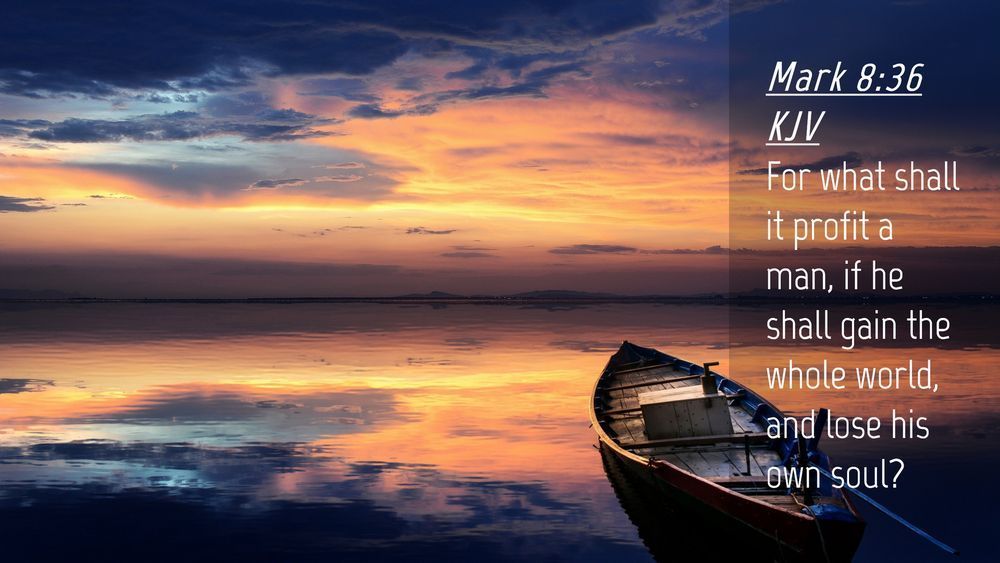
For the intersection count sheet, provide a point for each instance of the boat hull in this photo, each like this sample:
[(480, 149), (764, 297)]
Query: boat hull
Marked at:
[(789, 536)]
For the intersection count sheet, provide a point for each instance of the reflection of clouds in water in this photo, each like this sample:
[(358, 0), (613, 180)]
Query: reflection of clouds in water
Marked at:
[(311, 429), (300, 497), (222, 404), (137, 464), (212, 525), (422, 491), (469, 431), (219, 421)]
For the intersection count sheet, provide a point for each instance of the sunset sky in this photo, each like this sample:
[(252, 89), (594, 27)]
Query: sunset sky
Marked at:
[(212, 149)]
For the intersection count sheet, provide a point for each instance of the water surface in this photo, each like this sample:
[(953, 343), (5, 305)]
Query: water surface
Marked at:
[(293, 432)]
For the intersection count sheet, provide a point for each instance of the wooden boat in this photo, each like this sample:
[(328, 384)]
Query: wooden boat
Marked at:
[(721, 475)]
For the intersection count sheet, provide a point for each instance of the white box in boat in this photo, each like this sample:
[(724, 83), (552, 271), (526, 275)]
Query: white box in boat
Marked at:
[(684, 412)]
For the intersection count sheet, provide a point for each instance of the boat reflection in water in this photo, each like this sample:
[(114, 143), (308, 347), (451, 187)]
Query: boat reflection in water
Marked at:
[(673, 532)]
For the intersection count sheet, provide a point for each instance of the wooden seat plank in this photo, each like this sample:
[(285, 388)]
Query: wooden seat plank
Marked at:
[(755, 438)]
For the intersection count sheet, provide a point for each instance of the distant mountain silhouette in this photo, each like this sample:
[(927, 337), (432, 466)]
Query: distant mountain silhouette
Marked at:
[(537, 294), (563, 294), (431, 295)]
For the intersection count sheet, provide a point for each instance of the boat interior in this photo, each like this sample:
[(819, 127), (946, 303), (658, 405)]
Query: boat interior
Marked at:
[(736, 459)]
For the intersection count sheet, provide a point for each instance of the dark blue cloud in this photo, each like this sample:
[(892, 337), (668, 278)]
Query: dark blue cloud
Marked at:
[(21, 385), (350, 89), (375, 111), (17, 127), (95, 49), (185, 179), (594, 249), (524, 89), (550, 72), (410, 84), (531, 85), (9, 204), (483, 59), (425, 231), (218, 178), (716, 249), (976, 151), (264, 125), (851, 159), (99, 48), (620, 249), (276, 184), (467, 254)]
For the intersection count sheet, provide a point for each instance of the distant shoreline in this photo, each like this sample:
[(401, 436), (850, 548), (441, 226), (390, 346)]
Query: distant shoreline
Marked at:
[(513, 300)]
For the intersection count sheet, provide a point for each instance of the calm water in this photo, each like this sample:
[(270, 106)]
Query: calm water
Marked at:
[(293, 432)]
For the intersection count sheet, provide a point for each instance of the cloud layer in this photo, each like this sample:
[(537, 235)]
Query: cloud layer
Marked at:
[(219, 44)]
